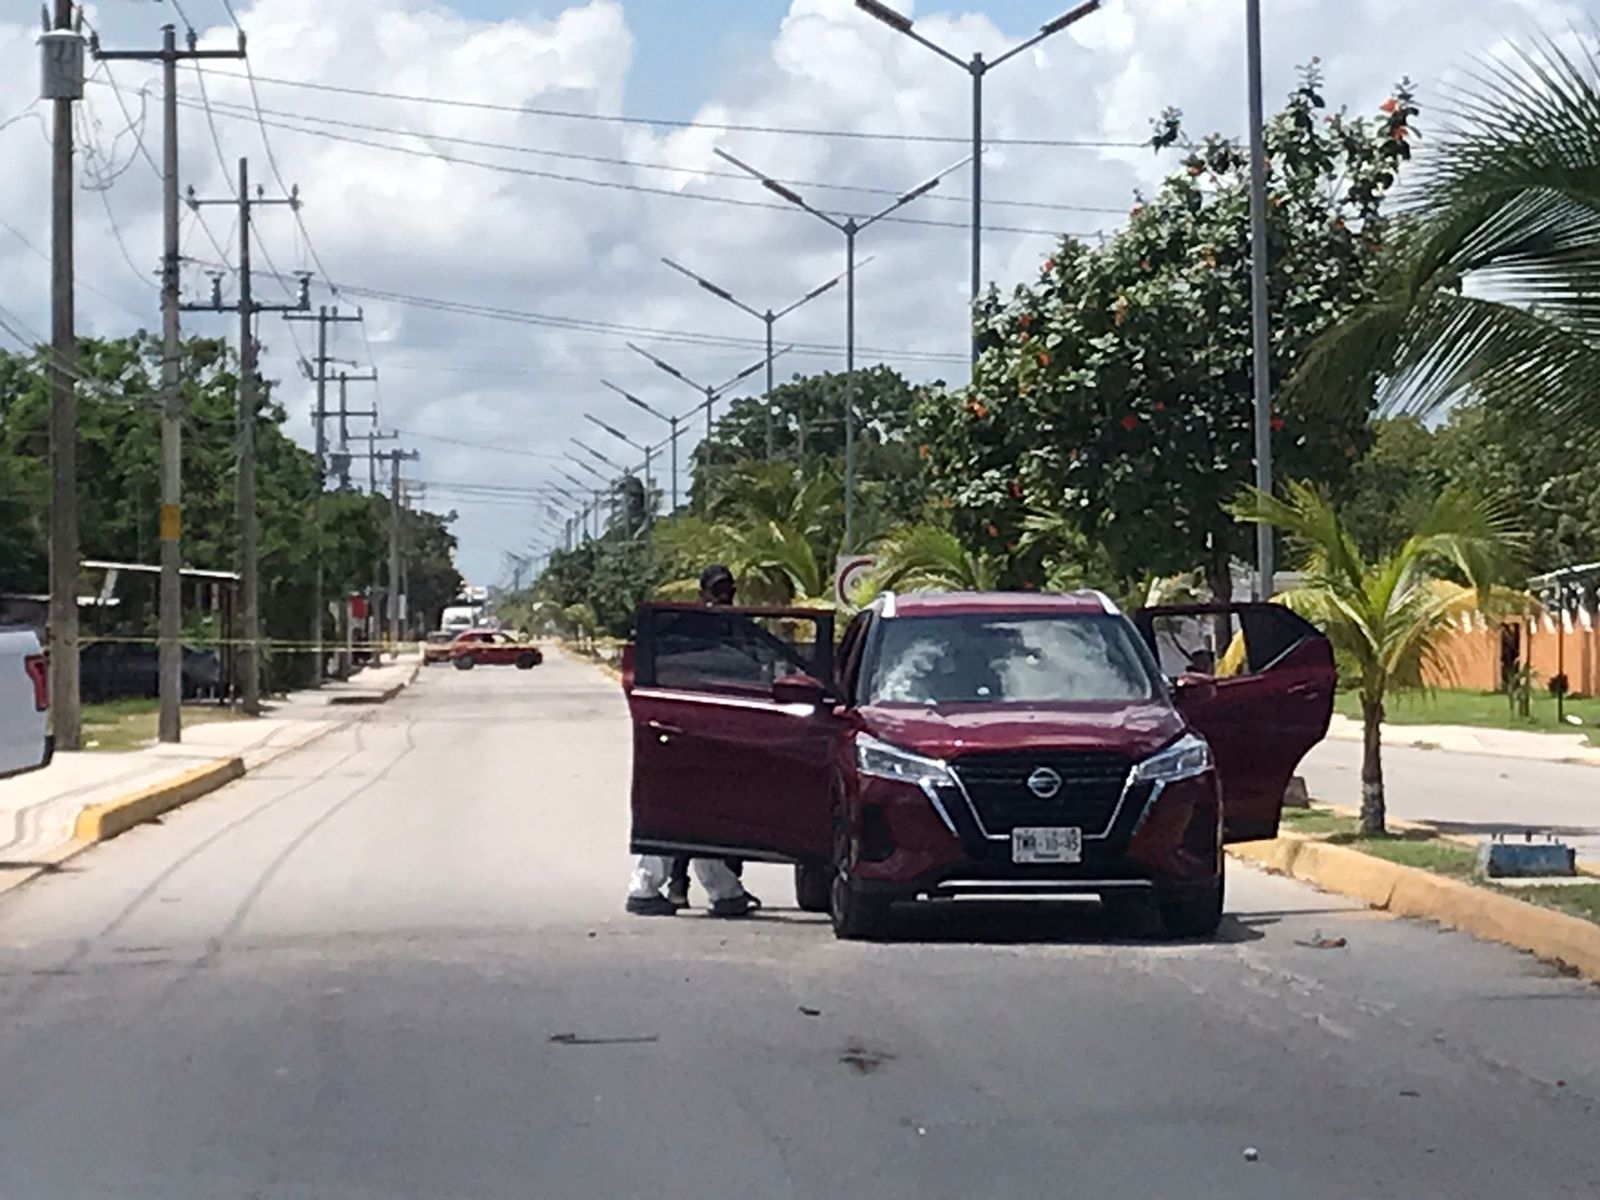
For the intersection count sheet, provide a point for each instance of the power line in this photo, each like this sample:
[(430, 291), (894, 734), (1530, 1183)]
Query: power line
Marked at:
[(451, 441), (666, 122), (580, 325), (44, 256), (272, 162), (227, 174), (637, 164), (144, 151), (283, 185), (619, 185)]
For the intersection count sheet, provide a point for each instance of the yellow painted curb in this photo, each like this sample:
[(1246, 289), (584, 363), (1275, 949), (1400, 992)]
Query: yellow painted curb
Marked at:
[(101, 822), (1409, 892)]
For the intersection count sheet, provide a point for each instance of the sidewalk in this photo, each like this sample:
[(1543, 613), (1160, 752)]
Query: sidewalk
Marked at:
[(1472, 739), (39, 812)]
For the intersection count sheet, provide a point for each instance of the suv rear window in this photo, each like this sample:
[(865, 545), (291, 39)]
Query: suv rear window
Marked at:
[(982, 658)]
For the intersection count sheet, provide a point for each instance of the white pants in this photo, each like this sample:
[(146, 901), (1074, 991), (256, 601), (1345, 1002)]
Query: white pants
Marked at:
[(650, 873)]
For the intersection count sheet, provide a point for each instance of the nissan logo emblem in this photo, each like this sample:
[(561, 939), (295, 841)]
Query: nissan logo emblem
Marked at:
[(1044, 783)]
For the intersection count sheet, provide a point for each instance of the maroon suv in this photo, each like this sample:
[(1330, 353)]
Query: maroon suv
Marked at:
[(974, 744)]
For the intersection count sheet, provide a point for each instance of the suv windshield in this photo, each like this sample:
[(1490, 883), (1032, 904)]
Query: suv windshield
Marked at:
[(982, 659)]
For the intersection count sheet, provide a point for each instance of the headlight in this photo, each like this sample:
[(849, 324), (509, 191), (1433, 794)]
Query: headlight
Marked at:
[(883, 761), (1184, 759)]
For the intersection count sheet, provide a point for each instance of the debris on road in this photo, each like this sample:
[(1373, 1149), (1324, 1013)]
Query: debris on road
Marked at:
[(1251, 1154), (573, 1039), (809, 1012), (864, 1059), (1318, 942)]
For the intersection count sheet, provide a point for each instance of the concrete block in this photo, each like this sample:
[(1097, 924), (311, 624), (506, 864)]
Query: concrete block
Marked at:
[(1297, 795), (1498, 860)]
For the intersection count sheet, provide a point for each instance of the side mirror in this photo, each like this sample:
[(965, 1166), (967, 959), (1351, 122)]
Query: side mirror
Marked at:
[(799, 689), (1191, 687)]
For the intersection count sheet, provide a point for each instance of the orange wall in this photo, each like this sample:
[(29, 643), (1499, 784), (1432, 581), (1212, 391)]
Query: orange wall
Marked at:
[(1470, 658)]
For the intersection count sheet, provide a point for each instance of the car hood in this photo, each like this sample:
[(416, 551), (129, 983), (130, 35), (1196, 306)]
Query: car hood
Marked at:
[(1136, 730)]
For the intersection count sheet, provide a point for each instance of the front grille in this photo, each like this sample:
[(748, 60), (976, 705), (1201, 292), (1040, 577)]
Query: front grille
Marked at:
[(1091, 785)]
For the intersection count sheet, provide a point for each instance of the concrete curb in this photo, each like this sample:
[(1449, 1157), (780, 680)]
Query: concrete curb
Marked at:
[(1467, 739), (382, 697), (1408, 892), (102, 822)]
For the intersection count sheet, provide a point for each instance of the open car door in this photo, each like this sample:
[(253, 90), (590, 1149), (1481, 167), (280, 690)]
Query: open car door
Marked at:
[(1274, 680), (721, 765)]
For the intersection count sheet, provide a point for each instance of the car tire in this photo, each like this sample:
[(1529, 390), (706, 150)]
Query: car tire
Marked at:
[(813, 887), (856, 915), (1130, 914), (1192, 912), (465, 662), (526, 662)]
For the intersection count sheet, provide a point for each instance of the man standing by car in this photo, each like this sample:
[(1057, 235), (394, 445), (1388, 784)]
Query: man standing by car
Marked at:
[(717, 588), (721, 880)]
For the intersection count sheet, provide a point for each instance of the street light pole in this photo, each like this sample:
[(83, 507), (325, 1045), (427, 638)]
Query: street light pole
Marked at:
[(1261, 353), (767, 318), (711, 394), (977, 68), (672, 423), (850, 227), (645, 450)]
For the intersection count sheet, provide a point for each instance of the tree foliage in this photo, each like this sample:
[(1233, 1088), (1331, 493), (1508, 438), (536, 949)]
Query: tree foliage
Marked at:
[(119, 487), (1116, 391), (1489, 289)]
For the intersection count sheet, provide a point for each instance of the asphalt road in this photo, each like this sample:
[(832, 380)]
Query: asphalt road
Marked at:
[(1475, 794), (395, 964)]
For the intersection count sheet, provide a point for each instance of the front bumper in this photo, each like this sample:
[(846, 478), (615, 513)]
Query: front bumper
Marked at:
[(927, 842)]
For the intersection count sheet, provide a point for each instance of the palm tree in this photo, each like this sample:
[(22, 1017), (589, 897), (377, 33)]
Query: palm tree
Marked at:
[(1387, 618), (925, 557), (1490, 282)]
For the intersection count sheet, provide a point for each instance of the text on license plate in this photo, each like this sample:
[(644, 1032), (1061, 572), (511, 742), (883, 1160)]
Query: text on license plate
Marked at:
[(1046, 844)]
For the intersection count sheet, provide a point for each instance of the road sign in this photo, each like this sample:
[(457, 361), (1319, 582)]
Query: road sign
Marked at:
[(849, 573)]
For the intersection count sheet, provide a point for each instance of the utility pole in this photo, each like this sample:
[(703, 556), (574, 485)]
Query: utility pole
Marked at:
[(373, 438), (61, 83), (324, 316), (169, 639), (396, 596), (245, 426), (342, 457)]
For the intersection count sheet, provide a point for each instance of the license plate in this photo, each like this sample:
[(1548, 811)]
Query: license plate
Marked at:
[(1047, 844)]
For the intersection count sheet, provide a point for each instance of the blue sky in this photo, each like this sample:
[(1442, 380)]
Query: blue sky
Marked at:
[(685, 50), (567, 221)]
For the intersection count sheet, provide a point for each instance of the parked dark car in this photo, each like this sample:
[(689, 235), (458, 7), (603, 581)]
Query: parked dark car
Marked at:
[(974, 744), (118, 670)]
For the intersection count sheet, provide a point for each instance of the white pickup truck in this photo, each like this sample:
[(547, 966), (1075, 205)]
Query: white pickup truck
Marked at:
[(24, 704)]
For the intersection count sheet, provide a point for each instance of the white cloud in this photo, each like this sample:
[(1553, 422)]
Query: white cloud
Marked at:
[(414, 225)]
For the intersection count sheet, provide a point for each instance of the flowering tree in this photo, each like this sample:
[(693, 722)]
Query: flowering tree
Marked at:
[(1116, 390)]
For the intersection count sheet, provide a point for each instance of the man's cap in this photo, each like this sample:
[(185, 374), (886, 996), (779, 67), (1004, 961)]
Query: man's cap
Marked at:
[(713, 575)]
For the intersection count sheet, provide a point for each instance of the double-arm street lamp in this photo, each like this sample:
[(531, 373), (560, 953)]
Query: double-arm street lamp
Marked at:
[(768, 318), (977, 67), (596, 492), (711, 394), (647, 451), (850, 227), (671, 421)]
